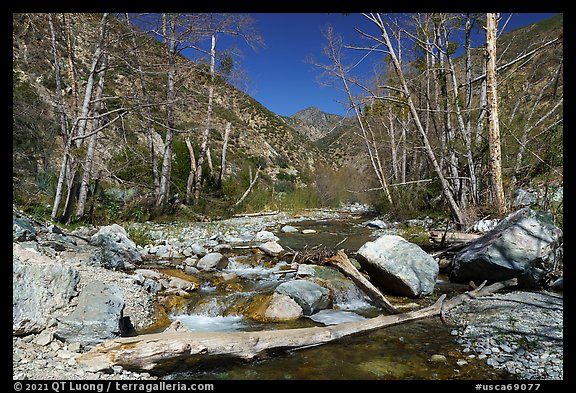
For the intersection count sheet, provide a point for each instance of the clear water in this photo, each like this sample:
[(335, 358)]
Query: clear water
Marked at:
[(391, 353)]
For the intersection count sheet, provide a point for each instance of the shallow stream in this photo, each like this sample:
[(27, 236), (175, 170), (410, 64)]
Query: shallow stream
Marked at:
[(422, 349)]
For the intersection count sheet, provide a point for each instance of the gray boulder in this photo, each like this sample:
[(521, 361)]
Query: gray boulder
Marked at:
[(282, 308), (271, 248), (22, 230), (399, 267), (310, 296), (213, 260), (289, 229), (376, 223), (525, 245), (117, 250), (97, 316), (38, 293), (265, 236)]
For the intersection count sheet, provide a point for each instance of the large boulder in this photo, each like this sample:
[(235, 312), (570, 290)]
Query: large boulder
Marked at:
[(525, 245), (399, 267), (116, 249), (310, 296), (97, 317), (40, 289)]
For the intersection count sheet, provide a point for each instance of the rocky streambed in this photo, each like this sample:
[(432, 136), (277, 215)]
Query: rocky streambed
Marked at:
[(491, 338)]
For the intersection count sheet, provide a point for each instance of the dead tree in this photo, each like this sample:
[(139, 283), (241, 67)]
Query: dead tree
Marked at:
[(495, 155), (459, 216), (79, 126)]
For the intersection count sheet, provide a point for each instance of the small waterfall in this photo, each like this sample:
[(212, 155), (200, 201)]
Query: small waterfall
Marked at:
[(218, 323)]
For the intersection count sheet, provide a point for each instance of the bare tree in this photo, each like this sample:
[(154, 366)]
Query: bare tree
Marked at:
[(91, 149), (493, 122), (338, 69), (206, 132), (223, 155), (458, 214), (78, 128), (168, 31)]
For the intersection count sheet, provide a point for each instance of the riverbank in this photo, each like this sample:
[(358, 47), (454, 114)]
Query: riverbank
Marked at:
[(519, 331)]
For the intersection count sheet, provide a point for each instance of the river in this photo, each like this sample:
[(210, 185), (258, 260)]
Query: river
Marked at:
[(423, 349)]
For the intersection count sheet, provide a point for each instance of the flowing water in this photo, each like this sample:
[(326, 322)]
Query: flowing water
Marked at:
[(403, 351)]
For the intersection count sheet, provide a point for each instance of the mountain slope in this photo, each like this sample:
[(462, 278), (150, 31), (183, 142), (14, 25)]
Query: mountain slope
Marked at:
[(258, 137)]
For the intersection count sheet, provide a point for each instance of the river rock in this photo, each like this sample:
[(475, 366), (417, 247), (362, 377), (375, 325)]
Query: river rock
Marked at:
[(377, 224), (398, 266), (289, 229), (282, 308), (97, 316), (213, 260), (198, 250), (310, 296), (116, 249), (22, 230), (271, 248), (525, 245), (265, 236), (39, 291)]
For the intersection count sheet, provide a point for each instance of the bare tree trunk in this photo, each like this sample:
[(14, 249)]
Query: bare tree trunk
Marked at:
[(168, 26), (341, 73), (252, 183), (467, 130), (80, 124), (192, 173), (71, 62), (63, 126), (448, 134), (92, 143), (493, 122), (205, 134), (459, 216), (223, 155), (393, 147)]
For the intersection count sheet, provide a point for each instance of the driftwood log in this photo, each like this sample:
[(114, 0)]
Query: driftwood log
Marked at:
[(343, 264), (153, 351), (452, 238)]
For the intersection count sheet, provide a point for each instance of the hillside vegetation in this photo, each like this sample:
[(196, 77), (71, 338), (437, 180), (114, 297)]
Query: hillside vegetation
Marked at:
[(151, 95)]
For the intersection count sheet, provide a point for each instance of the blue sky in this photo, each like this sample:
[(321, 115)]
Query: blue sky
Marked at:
[(282, 80)]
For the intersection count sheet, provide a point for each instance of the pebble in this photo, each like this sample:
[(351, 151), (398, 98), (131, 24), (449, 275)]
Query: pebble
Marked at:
[(505, 330)]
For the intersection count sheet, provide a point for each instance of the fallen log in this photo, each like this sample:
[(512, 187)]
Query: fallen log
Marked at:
[(153, 351), (343, 264), (452, 237)]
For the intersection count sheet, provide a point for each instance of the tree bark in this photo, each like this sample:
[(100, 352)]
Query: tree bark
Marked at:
[(252, 183), (63, 126), (493, 122), (223, 155), (153, 351), (192, 173), (206, 133), (168, 26), (88, 162)]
